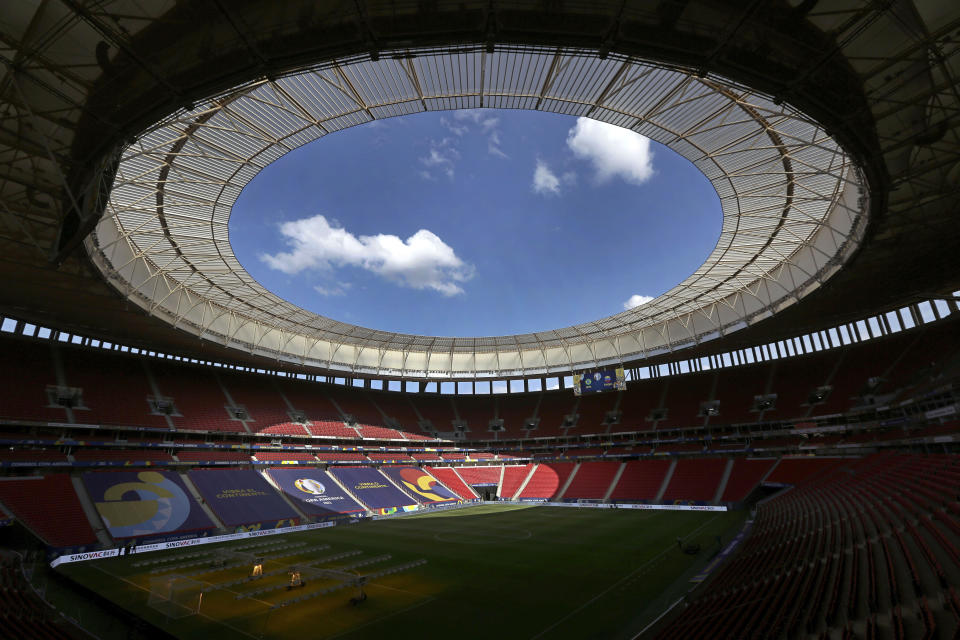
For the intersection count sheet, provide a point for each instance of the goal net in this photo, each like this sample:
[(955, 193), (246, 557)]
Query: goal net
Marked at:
[(175, 596)]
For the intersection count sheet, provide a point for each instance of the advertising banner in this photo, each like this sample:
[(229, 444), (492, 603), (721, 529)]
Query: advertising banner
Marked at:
[(240, 496), (420, 483), (179, 544), (137, 504), (314, 492), (372, 488), (599, 381)]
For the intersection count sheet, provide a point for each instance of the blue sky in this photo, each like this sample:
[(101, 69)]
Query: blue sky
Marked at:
[(475, 223)]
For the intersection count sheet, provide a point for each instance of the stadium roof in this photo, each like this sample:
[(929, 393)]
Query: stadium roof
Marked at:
[(90, 87)]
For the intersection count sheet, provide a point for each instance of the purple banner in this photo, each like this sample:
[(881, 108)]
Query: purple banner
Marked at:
[(139, 504), (314, 492), (240, 496), (371, 487), (420, 483)]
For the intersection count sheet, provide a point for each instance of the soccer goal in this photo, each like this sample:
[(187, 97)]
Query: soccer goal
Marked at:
[(175, 596)]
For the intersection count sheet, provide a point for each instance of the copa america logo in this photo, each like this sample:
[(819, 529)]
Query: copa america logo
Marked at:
[(311, 486)]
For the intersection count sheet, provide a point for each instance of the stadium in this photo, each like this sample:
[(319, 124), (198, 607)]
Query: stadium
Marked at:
[(766, 449)]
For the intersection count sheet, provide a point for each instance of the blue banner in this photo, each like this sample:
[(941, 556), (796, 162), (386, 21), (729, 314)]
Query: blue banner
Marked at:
[(138, 504), (314, 492), (420, 483), (240, 496), (372, 488), (599, 381)]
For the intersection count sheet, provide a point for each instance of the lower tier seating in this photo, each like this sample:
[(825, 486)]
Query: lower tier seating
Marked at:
[(50, 507), (449, 478), (860, 543), (592, 480)]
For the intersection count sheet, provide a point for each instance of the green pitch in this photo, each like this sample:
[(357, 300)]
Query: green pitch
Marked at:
[(491, 571)]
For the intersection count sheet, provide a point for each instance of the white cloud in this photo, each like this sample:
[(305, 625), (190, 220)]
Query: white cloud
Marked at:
[(635, 301), (493, 145), (443, 157), (545, 181), (422, 261), (488, 127), (336, 290), (613, 151), (456, 129)]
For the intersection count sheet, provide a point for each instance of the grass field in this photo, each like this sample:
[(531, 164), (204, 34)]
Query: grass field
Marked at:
[(493, 570)]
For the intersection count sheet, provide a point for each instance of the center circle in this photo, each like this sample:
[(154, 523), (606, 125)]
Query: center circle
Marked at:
[(479, 222)]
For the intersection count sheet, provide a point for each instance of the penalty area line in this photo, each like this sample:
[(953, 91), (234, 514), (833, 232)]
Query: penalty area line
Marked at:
[(381, 618), (617, 583), (203, 615)]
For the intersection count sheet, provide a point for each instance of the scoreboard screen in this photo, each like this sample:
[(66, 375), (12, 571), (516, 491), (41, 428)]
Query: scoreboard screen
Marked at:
[(599, 381)]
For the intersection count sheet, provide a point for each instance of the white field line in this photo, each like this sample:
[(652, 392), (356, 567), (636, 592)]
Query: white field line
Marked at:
[(214, 620), (381, 619), (618, 582)]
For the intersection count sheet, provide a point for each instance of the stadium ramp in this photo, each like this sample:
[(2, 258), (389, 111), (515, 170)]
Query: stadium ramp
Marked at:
[(724, 479), (416, 499), (270, 481), (614, 482), (96, 522), (342, 486), (566, 485), (195, 494), (666, 480)]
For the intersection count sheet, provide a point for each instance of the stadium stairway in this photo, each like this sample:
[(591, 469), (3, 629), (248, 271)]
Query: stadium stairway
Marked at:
[(616, 480), (526, 481), (724, 479), (304, 518), (666, 480), (343, 488), (416, 499), (96, 523), (566, 484), (195, 494)]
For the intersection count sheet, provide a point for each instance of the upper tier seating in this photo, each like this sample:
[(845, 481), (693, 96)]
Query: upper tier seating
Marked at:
[(637, 403), (333, 429), (341, 456), (50, 507), (115, 390), (514, 411), (118, 388), (397, 456), (32, 455), (554, 405), (695, 479), (301, 456), (796, 470), (592, 410), (196, 395), (373, 432), (212, 455), (311, 399), (478, 412), (356, 403), (438, 410), (122, 455), (426, 457), (28, 368), (397, 406)]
